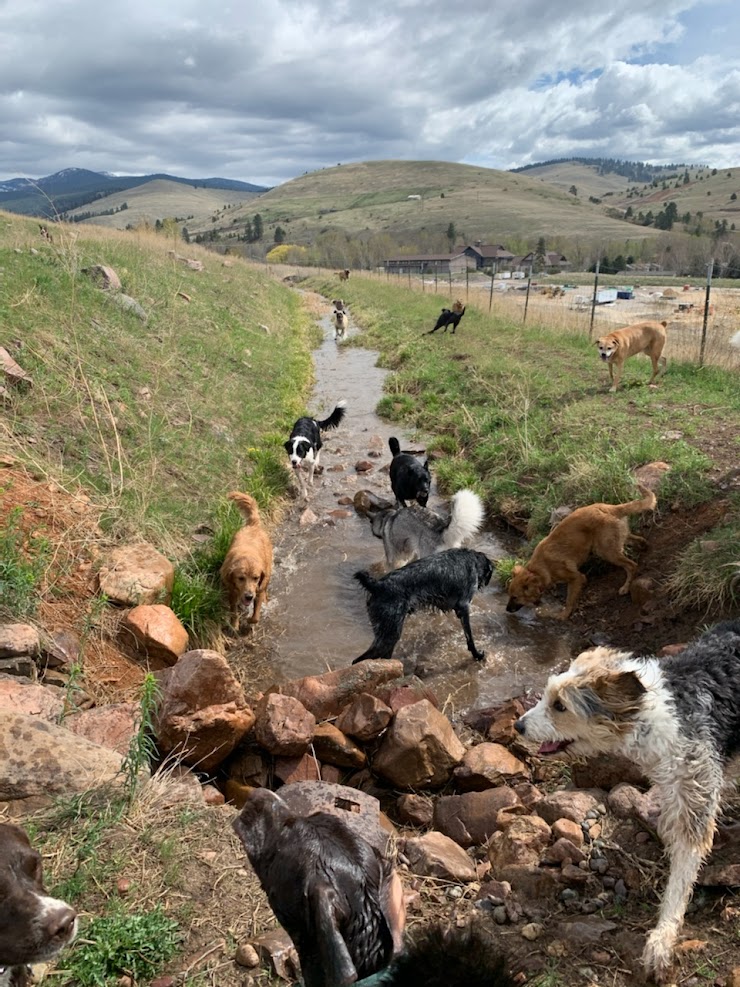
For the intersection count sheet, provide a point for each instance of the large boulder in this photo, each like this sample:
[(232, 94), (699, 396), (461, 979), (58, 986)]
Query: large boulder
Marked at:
[(365, 718), (470, 819), (21, 695), (40, 758), (488, 765), (419, 749), (111, 726), (154, 629), (436, 855), (18, 639), (326, 695), (203, 713), (283, 725), (136, 574)]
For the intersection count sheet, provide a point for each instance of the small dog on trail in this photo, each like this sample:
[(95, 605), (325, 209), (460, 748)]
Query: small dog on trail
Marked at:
[(445, 581), (341, 322), (413, 532), (304, 444), (247, 567), (601, 529), (643, 337), (34, 928), (343, 275), (410, 480), (678, 718), (449, 317)]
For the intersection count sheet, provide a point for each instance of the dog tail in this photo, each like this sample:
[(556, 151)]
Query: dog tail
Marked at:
[(466, 518), (334, 418), (367, 581), (646, 503), (247, 507), (395, 446)]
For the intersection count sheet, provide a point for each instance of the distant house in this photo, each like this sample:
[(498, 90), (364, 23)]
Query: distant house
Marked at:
[(486, 254), (427, 264), (552, 259)]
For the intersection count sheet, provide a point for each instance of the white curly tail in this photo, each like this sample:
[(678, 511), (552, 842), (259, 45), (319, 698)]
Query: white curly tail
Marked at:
[(466, 518)]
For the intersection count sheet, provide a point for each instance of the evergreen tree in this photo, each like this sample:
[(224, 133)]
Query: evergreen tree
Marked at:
[(257, 227), (451, 235), (540, 258), (248, 234), (279, 234)]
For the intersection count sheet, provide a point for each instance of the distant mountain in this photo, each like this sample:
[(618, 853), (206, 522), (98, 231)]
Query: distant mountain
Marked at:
[(75, 187), (637, 172)]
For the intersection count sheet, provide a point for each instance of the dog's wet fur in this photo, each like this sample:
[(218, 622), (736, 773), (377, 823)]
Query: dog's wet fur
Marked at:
[(410, 479), (445, 581), (678, 718), (304, 444)]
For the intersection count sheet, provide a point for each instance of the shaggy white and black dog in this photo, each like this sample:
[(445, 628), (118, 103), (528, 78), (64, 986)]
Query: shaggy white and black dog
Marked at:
[(445, 581), (678, 718), (304, 444), (414, 532)]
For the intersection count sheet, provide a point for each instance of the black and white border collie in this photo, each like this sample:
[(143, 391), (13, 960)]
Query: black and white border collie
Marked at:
[(304, 444)]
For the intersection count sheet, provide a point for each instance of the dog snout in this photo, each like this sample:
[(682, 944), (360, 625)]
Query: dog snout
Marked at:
[(60, 922), (520, 726), (512, 606), (604, 356)]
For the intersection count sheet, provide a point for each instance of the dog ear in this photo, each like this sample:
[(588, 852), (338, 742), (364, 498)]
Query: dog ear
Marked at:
[(288, 446), (517, 569), (325, 911), (614, 695)]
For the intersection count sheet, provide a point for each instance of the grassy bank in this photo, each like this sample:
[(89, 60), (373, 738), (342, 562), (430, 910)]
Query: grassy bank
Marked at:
[(523, 414), (159, 419)]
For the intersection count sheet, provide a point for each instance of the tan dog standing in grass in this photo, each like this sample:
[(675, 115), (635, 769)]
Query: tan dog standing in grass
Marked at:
[(599, 529), (247, 568), (642, 337)]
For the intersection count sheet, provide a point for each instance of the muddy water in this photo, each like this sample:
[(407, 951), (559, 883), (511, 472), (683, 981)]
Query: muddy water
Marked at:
[(316, 618)]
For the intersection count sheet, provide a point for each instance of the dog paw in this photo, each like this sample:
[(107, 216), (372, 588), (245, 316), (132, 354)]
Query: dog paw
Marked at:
[(657, 957), (479, 655)]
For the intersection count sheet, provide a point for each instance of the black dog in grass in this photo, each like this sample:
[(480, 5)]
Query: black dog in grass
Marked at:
[(445, 581), (410, 479), (449, 317)]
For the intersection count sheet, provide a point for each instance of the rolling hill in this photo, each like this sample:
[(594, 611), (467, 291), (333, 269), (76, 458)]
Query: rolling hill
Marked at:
[(373, 197)]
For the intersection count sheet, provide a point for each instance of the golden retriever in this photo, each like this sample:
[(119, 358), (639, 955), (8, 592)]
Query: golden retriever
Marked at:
[(601, 529), (247, 568), (642, 337)]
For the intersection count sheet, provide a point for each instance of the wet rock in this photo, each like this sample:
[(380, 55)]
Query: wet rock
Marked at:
[(344, 501), (406, 692), (435, 855), (283, 725), (365, 718), (326, 695), (487, 765), (333, 747), (155, 630), (605, 771), (292, 769), (339, 514), (471, 818), (307, 518), (111, 726), (364, 466), (567, 804), (136, 574), (419, 749), (203, 713), (20, 695), (415, 810), (40, 758), (18, 639), (367, 501)]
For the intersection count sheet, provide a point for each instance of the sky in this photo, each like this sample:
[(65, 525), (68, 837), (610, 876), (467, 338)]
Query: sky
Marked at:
[(265, 91)]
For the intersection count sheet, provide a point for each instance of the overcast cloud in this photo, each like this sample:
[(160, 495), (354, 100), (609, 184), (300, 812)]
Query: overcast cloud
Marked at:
[(265, 90)]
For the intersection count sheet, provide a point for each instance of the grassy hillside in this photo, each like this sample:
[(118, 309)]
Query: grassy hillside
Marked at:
[(481, 202), (586, 178), (705, 192), (159, 418), (161, 199)]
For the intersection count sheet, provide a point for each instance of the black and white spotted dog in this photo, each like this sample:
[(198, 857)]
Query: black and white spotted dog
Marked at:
[(678, 718), (304, 444)]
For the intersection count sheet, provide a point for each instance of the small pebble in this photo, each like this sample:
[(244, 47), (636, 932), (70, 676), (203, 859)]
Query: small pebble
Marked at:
[(532, 931), (600, 956), (499, 915), (454, 892), (592, 814), (608, 882), (590, 906), (620, 889), (568, 894), (246, 955), (601, 809)]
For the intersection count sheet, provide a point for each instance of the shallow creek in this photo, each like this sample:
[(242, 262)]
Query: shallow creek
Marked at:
[(316, 618)]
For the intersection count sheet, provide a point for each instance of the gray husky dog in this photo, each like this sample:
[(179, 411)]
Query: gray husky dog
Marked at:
[(414, 532)]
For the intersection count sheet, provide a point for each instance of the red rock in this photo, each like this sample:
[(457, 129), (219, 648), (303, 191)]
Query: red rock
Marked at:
[(203, 713), (415, 810), (566, 804), (566, 829), (365, 718), (406, 692), (283, 725), (332, 774), (111, 726), (487, 765), (60, 648), (18, 695), (326, 695), (436, 855), (605, 771), (364, 466), (626, 802), (471, 818), (332, 747), (518, 846), (136, 574), (212, 796), (419, 749), (528, 794), (155, 629), (292, 769), (339, 513), (563, 850), (18, 639)]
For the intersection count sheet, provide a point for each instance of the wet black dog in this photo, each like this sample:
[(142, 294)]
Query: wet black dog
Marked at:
[(445, 581), (448, 317), (410, 479), (331, 890)]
